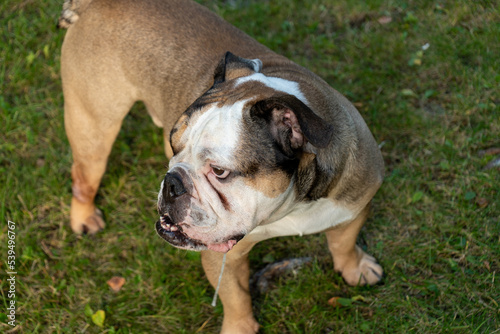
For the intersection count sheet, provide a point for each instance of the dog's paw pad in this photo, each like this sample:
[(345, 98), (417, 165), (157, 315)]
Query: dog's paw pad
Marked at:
[(367, 272)]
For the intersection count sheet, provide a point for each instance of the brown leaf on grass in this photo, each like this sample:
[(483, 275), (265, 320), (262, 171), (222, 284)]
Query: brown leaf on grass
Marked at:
[(385, 20), (482, 202), (116, 283), (334, 301), (487, 265)]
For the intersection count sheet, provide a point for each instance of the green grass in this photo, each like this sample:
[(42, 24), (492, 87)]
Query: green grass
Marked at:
[(435, 225)]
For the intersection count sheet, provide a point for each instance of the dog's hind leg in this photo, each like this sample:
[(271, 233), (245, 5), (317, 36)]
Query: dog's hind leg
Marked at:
[(356, 267)]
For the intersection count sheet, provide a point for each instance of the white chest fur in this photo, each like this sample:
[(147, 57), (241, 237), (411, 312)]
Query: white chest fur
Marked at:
[(305, 218)]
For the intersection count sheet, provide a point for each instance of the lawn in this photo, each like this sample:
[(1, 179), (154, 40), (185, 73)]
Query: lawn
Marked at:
[(425, 75)]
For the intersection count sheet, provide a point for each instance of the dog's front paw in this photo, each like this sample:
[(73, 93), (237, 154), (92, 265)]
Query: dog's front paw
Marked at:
[(89, 225), (362, 272), (240, 326)]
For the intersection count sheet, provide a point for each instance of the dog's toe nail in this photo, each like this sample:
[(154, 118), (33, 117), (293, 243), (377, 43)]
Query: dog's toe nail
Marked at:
[(376, 273)]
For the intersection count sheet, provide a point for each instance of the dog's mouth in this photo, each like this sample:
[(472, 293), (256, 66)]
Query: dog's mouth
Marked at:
[(174, 235)]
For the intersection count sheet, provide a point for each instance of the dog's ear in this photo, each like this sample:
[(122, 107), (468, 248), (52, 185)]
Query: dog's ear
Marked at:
[(232, 67), (293, 125)]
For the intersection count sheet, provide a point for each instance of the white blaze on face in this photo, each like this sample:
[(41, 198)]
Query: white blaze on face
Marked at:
[(216, 130)]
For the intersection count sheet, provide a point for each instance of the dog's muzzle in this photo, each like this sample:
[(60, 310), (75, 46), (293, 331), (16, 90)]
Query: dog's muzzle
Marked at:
[(173, 207), (172, 192)]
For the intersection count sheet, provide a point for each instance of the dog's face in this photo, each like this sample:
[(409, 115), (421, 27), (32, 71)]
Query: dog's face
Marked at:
[(236, 151)]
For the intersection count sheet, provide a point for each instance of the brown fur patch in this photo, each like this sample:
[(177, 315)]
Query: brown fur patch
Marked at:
[(177, 132), (238, 73), (81, 190), (306, 160), (271, 185)]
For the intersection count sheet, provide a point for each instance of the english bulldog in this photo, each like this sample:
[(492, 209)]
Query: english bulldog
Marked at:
[(258, 146)]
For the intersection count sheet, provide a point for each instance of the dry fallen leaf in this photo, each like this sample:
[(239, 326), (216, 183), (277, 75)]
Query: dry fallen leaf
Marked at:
[(385, 20), (487, 265), (334, 302), (116, 283), (482, 202)]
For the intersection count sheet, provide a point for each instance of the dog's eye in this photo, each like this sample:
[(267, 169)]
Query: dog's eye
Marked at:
[(219, 172)]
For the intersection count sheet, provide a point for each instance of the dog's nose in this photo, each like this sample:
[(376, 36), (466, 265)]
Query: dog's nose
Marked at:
[(172, 187)]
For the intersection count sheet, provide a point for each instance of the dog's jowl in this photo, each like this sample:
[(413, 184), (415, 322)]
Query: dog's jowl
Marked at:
[(259, 147)]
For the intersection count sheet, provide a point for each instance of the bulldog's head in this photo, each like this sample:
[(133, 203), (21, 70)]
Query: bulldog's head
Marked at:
[(236, 152)]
